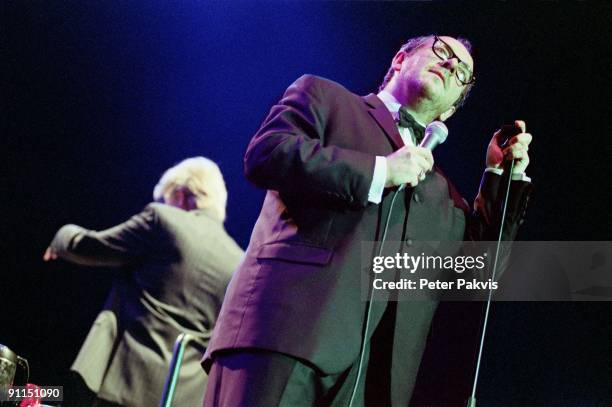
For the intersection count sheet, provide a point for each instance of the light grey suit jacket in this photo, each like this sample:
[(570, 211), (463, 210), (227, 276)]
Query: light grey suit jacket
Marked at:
[(177, 265)]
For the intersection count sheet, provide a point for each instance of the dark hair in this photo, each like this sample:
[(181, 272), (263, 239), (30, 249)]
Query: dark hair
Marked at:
[(414, 43)]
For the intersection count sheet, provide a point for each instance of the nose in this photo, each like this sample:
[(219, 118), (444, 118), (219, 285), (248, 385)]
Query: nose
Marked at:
[(451, 64)]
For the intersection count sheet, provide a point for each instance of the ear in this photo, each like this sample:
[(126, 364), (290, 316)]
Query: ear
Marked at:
[(185, 199), (444, 116), (177, 198), (397, 61), (190, 202)]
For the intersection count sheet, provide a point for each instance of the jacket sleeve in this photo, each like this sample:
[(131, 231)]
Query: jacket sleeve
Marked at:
[(483, 223), (485, 219), (124, 244), (291, 152)]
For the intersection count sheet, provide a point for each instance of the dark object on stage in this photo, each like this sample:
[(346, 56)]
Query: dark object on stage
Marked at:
[(14, 370)]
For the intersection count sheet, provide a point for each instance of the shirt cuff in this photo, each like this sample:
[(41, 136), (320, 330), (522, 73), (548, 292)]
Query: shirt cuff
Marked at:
[(378, 180), (497, 171), (521, 177), (515, 177)]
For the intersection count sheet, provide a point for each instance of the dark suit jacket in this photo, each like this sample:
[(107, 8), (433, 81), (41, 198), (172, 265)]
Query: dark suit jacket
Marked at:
[(298, 291), (177, 265)]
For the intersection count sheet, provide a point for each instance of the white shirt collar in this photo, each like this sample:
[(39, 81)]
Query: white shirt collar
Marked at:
[(389, 100), (392, 104)]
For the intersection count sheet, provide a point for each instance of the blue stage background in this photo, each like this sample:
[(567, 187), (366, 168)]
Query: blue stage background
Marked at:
[(98, 98)]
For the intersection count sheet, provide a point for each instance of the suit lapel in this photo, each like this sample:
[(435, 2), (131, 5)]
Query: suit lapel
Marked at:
[(379, 112)]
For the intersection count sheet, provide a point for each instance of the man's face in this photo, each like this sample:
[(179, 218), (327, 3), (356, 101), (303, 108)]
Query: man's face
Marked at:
[(424, 73)]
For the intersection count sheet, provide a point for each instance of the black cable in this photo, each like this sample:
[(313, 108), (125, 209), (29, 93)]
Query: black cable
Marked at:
[(370, 301)]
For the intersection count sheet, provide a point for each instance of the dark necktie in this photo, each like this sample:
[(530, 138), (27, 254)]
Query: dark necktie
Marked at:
[(406, 120)]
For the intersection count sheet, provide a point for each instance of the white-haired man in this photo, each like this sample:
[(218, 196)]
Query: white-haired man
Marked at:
[(178, 260)]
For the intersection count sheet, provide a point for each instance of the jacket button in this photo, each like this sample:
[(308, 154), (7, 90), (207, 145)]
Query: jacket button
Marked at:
[(409, 242)]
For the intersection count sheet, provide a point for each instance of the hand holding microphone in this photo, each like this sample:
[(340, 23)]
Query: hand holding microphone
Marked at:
[(410, 164), (511, 142)]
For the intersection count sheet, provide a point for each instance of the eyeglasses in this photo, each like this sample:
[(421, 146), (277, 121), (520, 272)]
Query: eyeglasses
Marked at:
[(445, 52)]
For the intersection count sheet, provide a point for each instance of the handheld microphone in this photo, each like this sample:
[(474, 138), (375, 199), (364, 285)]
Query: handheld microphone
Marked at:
[(436, 133)]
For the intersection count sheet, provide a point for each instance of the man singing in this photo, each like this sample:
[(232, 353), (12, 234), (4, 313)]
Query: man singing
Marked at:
[(291, 331), (176, 260)]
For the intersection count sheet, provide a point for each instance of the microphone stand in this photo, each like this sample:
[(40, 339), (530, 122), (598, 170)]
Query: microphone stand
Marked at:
[(472, 400)]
